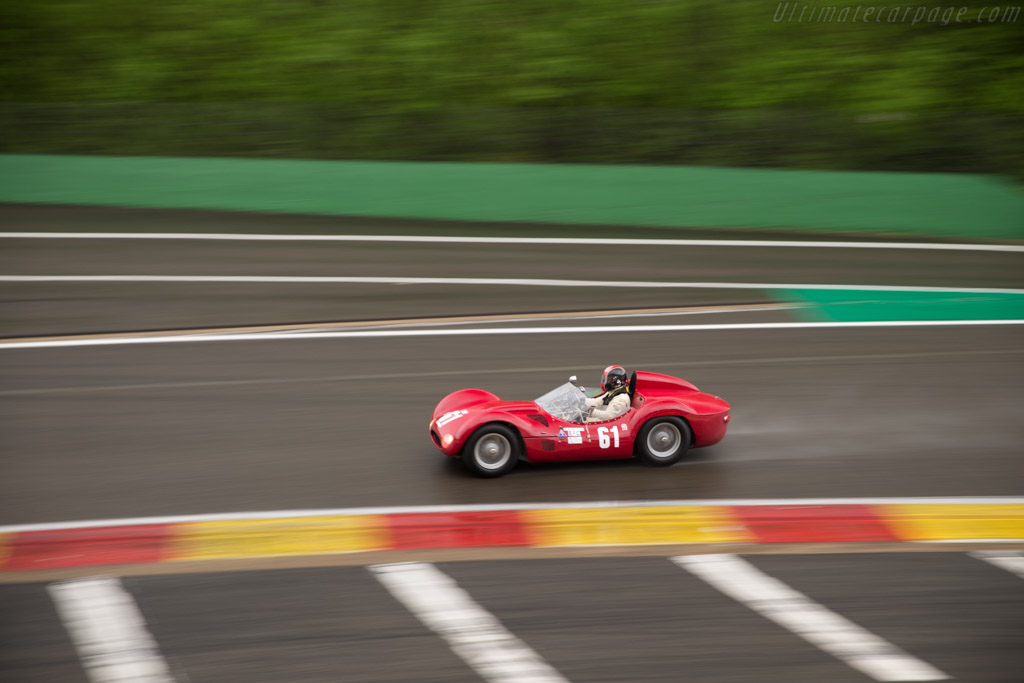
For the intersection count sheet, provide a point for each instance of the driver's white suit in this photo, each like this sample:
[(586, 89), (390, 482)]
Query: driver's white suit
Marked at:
[(619, 405)]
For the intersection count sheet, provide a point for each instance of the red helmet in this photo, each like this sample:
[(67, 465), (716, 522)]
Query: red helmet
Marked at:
[(614, 377)]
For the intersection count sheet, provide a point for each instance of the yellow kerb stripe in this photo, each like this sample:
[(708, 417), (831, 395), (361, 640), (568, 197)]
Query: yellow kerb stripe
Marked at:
[(634, 526), (952, 522), (288, 536)]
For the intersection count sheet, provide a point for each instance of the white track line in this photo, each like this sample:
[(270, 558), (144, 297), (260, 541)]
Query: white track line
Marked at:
[(473, 633), (484, 281), (452, 239), (109, 632), (376, 334), (498, 507), (815, 623), (1011, 562), (769, 308)]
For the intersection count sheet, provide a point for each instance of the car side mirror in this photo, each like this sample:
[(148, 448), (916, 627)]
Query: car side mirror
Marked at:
[(572, 379)]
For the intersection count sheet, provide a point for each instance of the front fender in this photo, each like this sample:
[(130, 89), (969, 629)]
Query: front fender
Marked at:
[(462, 428), (459, 400), (522, 426)]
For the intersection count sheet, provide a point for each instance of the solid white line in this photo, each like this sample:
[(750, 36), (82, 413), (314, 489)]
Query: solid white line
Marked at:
[(109, 632), (473, 633), (497, 507), (453, 239), (759, 308), (1011, 562), (373, 334), (815, 623), (484, 281)]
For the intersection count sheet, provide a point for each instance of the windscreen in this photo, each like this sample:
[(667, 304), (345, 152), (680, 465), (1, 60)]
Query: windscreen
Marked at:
[(565, 402)]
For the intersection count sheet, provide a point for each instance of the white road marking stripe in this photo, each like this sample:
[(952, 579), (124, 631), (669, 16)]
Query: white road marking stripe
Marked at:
[(496, 507), (371, 334), (1011, 562), (499, 372), (816, 624), (472, 632), (109, 632), (454, 239), (759, 308), (484, 281)]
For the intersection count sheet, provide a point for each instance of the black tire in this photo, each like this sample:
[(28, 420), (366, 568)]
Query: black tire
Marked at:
[(492, 451), (663, 441)]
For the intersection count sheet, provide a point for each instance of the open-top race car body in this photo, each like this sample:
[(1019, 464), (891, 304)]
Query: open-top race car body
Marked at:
[(667, 416)]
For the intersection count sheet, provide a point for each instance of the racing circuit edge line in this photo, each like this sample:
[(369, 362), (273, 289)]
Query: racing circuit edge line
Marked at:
[(452, 239), (435, 321), (581, 525), (496, 507)]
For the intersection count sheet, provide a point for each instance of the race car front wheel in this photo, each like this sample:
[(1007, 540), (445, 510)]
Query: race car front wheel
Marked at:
[(492, 451), (664, 441)]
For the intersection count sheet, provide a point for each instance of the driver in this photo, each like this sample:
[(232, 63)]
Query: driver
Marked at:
[(615, 400)]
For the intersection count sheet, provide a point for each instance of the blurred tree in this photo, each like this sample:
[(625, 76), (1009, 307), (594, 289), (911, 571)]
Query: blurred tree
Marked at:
[(655, 81)]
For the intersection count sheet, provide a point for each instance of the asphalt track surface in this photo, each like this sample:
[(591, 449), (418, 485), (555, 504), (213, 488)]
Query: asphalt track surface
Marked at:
[(236, 426), (163, 429), (606, 619), (292, 424), (68, 308)]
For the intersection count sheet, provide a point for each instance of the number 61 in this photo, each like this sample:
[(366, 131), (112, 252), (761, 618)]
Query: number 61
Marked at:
[(602, 436)]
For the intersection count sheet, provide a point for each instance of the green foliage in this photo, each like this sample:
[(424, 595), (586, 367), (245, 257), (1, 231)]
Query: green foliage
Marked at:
[(681, 69)]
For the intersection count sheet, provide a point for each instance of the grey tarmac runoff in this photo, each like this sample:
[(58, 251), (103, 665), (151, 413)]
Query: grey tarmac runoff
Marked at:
[(46, 308), (138, 430)]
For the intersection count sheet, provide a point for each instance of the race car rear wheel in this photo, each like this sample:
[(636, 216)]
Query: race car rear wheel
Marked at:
[(492, 451), (664, 441)]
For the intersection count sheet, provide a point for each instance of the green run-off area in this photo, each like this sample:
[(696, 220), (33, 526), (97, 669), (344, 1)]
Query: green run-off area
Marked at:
[(860, 305)]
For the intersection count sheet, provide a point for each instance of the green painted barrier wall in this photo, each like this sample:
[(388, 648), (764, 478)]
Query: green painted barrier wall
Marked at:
[(937, 205)]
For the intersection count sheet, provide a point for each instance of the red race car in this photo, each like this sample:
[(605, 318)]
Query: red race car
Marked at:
[(667, 416)]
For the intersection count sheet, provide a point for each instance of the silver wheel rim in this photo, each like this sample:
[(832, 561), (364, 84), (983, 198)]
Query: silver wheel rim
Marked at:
[(664, 440), (492, 451)]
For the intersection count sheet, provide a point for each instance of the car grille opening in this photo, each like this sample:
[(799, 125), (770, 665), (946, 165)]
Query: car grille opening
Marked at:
[(435, 437)]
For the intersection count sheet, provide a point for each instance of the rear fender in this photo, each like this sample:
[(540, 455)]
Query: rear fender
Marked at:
[(705, 417), (657, 407), (667, 408)]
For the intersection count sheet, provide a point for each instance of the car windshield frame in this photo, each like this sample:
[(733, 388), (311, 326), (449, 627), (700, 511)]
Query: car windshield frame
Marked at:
[(565, 402)]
